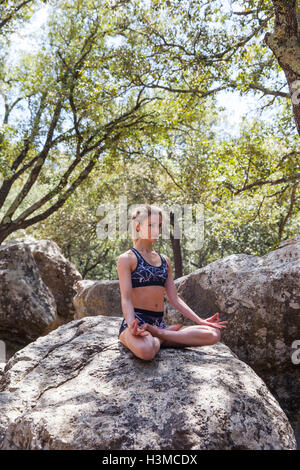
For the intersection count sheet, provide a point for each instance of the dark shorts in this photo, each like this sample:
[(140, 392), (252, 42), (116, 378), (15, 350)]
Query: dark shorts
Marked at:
[(146, 316)]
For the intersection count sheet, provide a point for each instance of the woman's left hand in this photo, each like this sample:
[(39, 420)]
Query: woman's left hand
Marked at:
[(215, 319)]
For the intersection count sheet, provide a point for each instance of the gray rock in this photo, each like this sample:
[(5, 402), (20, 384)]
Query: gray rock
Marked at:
[(260, 297), (97, 298), (80, 388), (57, 273), (27, 306)]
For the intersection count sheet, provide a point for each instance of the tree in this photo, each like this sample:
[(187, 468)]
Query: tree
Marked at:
[(208, 47), (77, 80), (284, 42), (91, 97), (12, 12)]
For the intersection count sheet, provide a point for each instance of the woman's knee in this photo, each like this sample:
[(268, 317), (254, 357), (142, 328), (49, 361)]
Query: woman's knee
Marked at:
[(146, 350), (215, 335)]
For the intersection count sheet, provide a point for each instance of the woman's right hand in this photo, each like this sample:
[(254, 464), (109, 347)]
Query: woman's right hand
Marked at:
[(137, 330)]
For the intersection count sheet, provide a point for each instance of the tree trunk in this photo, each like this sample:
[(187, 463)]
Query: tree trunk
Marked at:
[(176, 250), (6, 230), (285, 45)]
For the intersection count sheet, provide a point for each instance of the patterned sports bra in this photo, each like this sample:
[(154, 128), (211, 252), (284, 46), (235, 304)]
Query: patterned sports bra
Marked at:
[(146, 274)]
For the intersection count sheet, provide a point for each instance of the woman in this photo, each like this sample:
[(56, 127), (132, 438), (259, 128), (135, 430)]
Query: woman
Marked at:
[(144, 277)]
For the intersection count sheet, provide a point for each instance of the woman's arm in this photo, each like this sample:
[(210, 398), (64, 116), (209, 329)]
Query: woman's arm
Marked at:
[(183, 308), (176, 301), (180, 305), (124, 273)]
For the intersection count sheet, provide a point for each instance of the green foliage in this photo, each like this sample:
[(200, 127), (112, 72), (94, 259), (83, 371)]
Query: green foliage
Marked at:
[(131, 87)]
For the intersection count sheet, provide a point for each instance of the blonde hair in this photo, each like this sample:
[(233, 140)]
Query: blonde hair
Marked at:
[(139, 214)]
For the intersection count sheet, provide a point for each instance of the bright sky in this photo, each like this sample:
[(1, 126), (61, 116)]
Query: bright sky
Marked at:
[(26, 39)]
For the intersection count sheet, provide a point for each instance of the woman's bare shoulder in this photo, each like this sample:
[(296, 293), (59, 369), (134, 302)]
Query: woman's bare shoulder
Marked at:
[(127, 257), (166, 257), (126, 254)]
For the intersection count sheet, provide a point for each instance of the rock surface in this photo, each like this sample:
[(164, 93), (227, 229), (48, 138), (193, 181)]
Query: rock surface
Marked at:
[(57, 272), (27, 306), (80, 388), (260, 297), (97, 298)]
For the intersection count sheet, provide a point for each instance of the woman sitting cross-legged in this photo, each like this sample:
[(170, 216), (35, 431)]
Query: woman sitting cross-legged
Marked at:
[(144, 277)]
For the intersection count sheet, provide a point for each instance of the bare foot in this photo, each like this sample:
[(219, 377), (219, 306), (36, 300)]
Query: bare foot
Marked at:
[(173, 327), (154, 330)]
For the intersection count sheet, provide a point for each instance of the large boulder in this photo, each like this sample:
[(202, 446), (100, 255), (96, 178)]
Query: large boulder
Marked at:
[(57, 273), (97, 298), (260, 297), (27, 306), (80, 388)]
